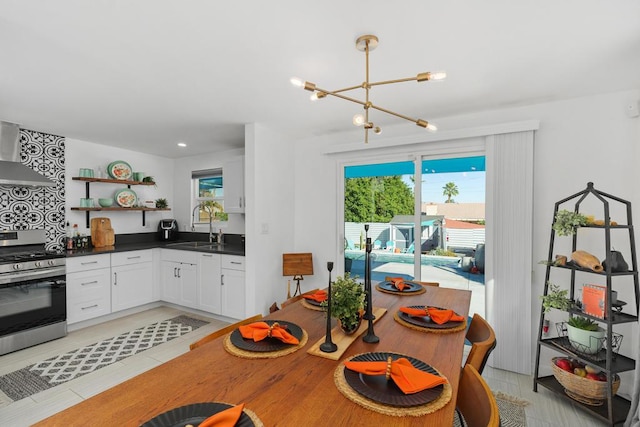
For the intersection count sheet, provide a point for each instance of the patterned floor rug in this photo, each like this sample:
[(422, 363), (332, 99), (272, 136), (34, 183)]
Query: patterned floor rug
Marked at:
[(65, 367), (511, 411)]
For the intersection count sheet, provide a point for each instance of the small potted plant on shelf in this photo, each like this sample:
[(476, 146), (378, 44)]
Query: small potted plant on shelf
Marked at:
[(585, 335), (347, 302), (566, 222), (161, 203), (556, 298)]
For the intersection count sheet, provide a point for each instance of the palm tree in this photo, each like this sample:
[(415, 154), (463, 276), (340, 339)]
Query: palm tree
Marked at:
[(450, 189)]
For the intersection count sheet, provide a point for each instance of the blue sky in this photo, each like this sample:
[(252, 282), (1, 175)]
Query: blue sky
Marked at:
[(471, 186)]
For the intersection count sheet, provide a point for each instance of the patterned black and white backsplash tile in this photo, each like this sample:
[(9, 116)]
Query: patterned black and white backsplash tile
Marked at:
[(28, 208)]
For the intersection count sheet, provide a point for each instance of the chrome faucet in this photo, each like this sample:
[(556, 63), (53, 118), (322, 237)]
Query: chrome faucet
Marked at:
[(193, 222), (220, 236)]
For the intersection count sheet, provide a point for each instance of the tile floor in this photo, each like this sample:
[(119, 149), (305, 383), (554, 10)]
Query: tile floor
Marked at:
[(545, 409)]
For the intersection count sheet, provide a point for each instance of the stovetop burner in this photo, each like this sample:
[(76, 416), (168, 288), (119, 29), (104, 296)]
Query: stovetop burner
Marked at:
[(29, 256)]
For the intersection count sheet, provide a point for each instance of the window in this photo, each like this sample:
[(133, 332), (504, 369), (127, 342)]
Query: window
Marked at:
[(207, 196)]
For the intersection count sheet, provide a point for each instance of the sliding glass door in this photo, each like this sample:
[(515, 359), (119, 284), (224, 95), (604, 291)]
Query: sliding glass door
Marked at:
[(425, 225)]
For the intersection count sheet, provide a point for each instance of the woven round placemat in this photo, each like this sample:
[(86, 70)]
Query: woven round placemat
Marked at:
[(228, 345), (460, 327), (305, 304), (403, 294), (394, 411), (254, 417)]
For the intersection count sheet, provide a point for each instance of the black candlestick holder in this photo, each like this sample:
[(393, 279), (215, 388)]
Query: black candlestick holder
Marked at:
[(328, 346), (370, 337)]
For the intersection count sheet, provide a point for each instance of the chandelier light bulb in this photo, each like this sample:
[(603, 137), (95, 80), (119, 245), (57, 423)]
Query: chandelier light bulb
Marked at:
[(297, 82), (377, 130), (314, 96), (431, 127), (358, 120), (438, 75)]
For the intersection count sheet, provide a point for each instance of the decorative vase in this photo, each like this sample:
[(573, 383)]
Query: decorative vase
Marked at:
[(352, 330), (589, 342)]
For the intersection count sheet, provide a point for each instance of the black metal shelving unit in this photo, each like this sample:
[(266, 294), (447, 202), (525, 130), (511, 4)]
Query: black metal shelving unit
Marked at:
[(615, 408)]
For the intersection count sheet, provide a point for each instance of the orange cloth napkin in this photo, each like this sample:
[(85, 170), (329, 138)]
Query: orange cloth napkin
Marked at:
[(408, 378), (318, 296), (261, 330), (227, 418), (439, 316), (398, 282)]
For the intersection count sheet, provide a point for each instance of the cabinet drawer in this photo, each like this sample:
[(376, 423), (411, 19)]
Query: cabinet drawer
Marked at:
[(91, 262), (232, 262), (88, 284), (131, 257), (79, 310)]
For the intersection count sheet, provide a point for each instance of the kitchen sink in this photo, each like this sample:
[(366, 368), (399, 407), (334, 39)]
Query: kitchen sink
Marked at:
[(203, 245)]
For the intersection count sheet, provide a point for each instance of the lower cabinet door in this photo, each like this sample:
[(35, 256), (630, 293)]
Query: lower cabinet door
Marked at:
[(209, 283), (232, 293), (170, 281), (188, 275), (132, 285)]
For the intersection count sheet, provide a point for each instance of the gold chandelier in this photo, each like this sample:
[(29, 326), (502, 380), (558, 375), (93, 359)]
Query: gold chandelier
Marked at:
[(366, 44)]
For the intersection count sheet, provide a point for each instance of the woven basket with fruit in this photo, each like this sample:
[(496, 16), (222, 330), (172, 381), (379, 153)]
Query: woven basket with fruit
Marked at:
[(584, 383)]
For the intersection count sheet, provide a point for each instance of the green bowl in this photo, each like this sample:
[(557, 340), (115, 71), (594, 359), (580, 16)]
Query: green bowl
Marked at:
[(105, 203)]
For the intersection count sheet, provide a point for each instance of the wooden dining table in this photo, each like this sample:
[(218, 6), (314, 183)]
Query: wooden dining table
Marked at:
[(293, 390)]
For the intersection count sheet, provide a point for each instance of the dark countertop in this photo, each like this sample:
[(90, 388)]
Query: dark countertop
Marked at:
[(234, 244)]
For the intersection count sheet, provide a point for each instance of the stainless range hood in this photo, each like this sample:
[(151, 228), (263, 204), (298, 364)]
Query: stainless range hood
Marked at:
[(12, 172)]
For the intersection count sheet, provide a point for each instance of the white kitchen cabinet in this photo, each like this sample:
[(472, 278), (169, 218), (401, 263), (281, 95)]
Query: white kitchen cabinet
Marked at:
[(209, 283), (88, 287), (131, 279), (233, 175), (232, 286), (180, 277)]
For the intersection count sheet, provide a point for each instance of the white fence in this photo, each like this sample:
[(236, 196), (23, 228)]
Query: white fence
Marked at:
[(464, 238)]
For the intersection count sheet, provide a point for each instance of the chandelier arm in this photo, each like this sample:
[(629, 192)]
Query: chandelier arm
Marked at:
[(384, 110), (337, 95), (386, 82), (346, 89)]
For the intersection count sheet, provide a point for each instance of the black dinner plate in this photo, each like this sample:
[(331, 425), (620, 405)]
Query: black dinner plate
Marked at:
[(194, 414), (425, 321), (313, 302), (413, 287), (381, 390), (267, 344)]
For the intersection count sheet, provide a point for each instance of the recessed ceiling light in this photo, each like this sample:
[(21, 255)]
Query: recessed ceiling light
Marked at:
[(181, 144)]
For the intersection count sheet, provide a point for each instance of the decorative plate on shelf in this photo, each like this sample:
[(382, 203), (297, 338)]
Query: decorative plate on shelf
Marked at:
[(194, 415), (119, 170), (126, 198)]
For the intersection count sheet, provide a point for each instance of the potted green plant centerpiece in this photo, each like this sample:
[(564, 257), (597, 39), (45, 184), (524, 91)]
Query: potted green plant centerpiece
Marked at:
[(585, 335), (347, 302), (566, 222)]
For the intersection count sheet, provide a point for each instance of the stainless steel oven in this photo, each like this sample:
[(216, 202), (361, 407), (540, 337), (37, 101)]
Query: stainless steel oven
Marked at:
[(33, 306)]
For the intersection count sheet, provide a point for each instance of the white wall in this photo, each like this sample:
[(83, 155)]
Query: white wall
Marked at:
[(83, 154), (270, 186), (182, 185)]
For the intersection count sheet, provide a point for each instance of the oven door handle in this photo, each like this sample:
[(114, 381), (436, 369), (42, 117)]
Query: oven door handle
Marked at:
[(32, 275)]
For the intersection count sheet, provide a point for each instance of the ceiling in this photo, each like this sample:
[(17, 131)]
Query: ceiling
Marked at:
[(146, 74)]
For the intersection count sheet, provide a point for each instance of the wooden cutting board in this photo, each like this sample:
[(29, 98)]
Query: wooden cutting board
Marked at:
[(101, 232)]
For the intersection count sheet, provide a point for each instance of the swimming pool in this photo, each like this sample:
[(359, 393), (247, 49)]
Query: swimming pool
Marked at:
[(384, 257)]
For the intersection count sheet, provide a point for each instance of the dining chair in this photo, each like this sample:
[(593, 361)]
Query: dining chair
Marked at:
[(297, 298), (220, 332), (476, 403), (483, 341)]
